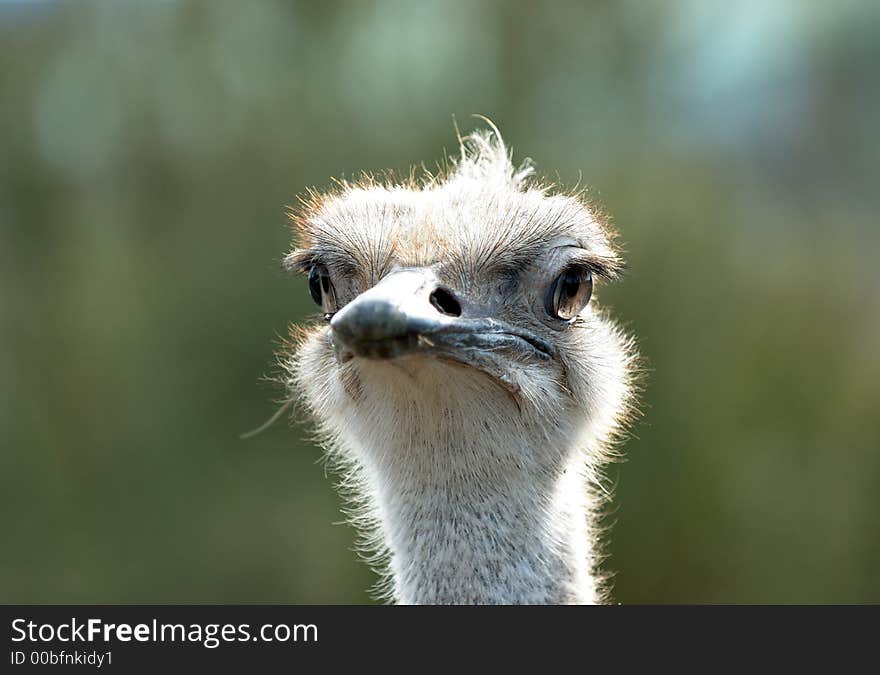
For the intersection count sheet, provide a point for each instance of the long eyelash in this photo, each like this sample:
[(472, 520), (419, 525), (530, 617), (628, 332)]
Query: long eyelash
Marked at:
[(607, 269), (302, 260)]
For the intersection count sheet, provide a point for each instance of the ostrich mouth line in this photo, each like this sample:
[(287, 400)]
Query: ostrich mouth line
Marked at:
[(469, 341)]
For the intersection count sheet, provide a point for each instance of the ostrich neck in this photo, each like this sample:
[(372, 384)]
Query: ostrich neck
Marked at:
[(459, 535)]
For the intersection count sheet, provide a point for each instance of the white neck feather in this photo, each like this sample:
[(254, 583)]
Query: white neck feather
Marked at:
[(473, 506), (458, 541)]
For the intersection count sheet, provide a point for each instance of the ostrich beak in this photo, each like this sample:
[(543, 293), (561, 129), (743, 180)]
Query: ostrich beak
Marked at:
[(388, 319), (402, 315)]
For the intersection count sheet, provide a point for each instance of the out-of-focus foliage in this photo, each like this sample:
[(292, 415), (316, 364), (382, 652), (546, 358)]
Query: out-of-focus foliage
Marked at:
[(147, 151)]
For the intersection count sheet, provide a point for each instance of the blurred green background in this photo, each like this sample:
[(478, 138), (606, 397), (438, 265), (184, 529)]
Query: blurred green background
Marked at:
[(147, 151)]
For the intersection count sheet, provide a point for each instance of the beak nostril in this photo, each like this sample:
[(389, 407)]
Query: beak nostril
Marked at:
[(445, 303)]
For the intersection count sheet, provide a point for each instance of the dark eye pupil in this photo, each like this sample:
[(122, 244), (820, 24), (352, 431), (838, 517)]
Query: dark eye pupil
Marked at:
[(316, 282), (321, 290), (571, 283)]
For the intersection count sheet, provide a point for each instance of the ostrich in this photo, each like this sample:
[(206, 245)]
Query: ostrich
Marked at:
[(461, 379)]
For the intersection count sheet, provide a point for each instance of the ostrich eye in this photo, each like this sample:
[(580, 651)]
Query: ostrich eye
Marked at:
[(569, 293), (321, 289)]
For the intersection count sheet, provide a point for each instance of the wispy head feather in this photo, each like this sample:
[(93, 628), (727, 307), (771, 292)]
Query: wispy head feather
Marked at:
[(486, 159)]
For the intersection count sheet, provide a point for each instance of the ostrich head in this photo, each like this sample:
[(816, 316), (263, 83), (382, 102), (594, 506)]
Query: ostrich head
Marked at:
[(462, 376)]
